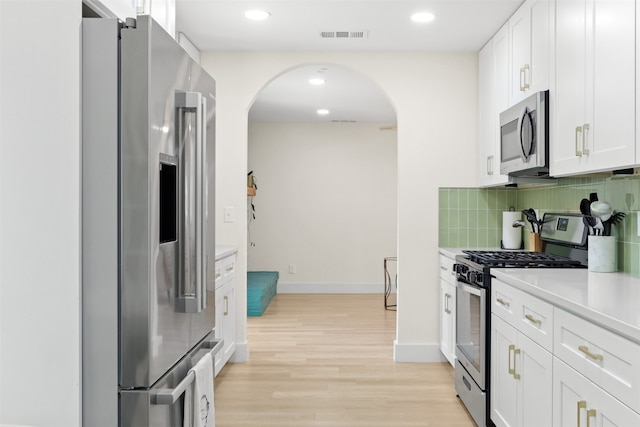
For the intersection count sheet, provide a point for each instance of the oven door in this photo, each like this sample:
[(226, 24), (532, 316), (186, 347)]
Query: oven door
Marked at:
[(471, 330)]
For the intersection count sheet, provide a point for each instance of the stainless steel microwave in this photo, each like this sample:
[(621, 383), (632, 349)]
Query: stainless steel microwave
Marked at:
[(524, 137)]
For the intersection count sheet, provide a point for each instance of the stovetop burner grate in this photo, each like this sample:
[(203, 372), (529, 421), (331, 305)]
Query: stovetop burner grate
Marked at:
[(520, 259)]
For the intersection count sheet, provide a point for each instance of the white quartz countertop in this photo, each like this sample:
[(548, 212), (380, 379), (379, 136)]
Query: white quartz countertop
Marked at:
[(225, 251), (611, 300)]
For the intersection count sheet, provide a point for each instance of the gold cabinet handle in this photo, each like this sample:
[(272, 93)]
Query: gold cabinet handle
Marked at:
[(591, 413), (581, 405), (515, 353), (526, 68), (585, 137), (229, 268), (578, 150), (532, 319), (511, 348), (226, 305), (502, 302), (594, 356)]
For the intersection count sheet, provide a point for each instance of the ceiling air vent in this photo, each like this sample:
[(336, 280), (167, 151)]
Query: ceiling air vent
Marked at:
[(359, 34)]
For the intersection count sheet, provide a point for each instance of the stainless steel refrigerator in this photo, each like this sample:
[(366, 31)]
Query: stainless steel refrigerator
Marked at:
[(148, 180)]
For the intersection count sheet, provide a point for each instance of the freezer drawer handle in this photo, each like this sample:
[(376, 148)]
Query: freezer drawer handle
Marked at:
[(169, 396)]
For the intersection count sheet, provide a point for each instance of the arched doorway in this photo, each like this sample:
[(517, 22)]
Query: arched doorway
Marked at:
[(326, 208)]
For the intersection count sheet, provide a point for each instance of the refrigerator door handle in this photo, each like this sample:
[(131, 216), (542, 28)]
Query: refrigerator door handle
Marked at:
[(169, 396), (201, 204), (192, 293)]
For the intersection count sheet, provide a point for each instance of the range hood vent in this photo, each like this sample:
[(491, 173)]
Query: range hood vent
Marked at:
[(357, 34)]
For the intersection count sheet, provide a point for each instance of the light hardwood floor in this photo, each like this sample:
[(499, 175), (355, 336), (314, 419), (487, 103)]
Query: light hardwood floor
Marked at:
[(327, 360)]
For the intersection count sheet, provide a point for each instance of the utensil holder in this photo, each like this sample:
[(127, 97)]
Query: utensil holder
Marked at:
[(535, 242), (602, 254)]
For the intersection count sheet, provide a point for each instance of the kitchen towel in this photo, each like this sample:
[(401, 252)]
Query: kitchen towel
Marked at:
[(198, 397), (511, 236)]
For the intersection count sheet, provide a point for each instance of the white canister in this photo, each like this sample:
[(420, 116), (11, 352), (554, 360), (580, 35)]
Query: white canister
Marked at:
[(511, 236), (602, 254)]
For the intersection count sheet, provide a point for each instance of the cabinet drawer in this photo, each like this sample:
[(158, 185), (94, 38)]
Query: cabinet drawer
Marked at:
[(446, 269), (218, 273), (604, 357), (228, 268), (504, 301), (225, 270), (535, 320), (528, 314)]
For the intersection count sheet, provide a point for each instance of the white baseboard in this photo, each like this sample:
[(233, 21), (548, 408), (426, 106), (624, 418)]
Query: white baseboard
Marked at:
[(241, 355), (427, 353), (331, 288)]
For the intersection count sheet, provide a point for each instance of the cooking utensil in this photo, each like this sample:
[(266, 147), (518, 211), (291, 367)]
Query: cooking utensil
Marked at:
[(601, 210), (585, 207), (598, 228), (615, 218), (530, 214), (590, 222)]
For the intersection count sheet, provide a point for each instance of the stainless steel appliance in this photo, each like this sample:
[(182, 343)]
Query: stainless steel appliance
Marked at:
[(524, 137), (564, 239), (148, 294)]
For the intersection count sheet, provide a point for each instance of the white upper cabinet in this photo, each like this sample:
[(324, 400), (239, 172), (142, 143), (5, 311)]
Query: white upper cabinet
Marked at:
[(121, 9), (529, 49), (493, 97), (593, 95), (162, 11), (501, 70), (489, 143)]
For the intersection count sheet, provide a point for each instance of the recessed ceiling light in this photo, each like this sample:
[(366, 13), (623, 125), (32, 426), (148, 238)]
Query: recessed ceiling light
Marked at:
[(423, 17), (257, 15), (316, 81), (323, 111)]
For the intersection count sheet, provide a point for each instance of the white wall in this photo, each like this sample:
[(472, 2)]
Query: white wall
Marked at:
[(40, 213), (436, 103), (326, 203)]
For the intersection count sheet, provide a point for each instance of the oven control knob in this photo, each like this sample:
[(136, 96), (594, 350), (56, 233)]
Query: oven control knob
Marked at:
[(478, 279), (472, 277)]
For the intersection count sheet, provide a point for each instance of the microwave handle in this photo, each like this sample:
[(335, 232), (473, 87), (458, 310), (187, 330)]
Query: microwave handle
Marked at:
[(526, 146)]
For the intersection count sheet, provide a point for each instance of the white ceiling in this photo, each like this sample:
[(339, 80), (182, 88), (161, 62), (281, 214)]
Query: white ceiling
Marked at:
[(295, 25)]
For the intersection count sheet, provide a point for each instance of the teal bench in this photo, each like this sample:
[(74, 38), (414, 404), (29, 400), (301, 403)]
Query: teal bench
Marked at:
[(262, 286)]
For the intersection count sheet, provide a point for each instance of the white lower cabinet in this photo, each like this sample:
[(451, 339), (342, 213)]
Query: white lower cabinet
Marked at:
[(521, 378), (447, 309), (448, 321), (579, 402), (225, 322), (225, 309)]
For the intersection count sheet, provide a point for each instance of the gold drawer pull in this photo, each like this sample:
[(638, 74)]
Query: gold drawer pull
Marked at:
[(532, 319), (591, 413), (512, 371), (503, 302), (515, 353), (582, 404), (585, 350)]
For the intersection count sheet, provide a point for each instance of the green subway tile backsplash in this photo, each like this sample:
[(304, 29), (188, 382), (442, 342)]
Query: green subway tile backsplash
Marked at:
[(472, 217)]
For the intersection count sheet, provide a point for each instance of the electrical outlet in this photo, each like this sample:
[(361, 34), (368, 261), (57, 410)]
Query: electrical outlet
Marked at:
[(292, 269)]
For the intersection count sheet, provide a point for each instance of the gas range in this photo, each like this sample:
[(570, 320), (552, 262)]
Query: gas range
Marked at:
[(564, 238)]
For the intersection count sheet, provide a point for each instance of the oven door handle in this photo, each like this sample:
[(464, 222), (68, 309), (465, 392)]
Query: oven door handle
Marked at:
[(470, 289)]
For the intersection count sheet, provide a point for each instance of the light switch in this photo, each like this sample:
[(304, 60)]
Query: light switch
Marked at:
[(229, 214)]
